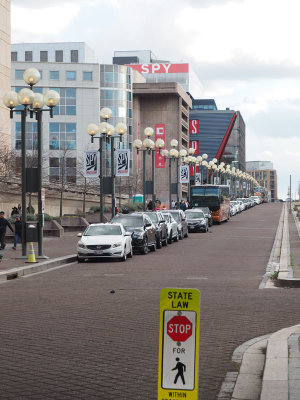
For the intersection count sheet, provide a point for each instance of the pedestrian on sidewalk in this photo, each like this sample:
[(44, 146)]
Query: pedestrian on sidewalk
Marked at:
[(3, 224), (14, 211), (18, 231)]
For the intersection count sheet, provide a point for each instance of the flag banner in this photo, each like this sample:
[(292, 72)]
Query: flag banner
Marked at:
[(91, 164), (229, 182), (184, 174), (123, 160), (160, 133), (244, 185), (197, 178), (216, 180), (237, 184)]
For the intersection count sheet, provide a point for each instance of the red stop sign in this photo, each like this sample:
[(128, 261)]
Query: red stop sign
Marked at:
[(179, 328)]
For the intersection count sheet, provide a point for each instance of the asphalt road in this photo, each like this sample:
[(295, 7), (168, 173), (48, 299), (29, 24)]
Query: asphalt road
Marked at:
[(64, 335)]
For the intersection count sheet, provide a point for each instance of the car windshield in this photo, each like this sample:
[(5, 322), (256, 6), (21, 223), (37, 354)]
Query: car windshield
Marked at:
[(153, 217), (194, 214), (175, 215), (205, 210), (132, 221), (103, 230)]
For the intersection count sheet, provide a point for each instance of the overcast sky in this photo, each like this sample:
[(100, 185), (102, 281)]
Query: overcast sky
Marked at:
[(245, 53)]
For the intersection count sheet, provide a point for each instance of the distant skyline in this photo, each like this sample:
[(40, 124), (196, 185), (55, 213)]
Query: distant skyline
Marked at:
[(243, 51)]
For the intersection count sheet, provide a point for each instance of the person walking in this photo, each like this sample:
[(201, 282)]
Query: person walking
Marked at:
[(18, 231), (150, 205), (182, 205), (14, 211), (172, 204), (3, 224)]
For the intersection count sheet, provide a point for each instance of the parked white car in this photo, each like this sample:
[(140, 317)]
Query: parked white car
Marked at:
[(104, 240), (256, 199), (173, 230), (237, 205), (242, 205), (233, 209)]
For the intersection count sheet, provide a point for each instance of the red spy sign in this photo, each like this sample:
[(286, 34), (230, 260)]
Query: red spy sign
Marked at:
[(194, 125), (160, 133), (194, 144), (160, 68), (179, 328)]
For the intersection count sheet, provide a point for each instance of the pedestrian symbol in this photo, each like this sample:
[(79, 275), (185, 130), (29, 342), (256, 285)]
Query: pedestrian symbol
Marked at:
[(181, 369)]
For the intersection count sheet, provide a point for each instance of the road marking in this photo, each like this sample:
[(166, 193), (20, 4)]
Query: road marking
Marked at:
[(196, 277), (113, 275)]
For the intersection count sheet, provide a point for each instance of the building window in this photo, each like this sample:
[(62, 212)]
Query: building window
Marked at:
[(129, 113), (65, 167), (71, 75), (54, 75), (19, 73), (109, 76), (62, 136), (41, 73), (108, 94), (43, 56), (14, 56), (74, 56), (67, 103), (59, 56), (87, 76), (28, 55), (31, 135)]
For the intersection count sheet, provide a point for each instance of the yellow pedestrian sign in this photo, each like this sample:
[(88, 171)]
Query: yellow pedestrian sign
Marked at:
[(178, 344)]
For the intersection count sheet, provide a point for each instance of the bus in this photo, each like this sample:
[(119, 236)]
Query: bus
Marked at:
[(215, 197)]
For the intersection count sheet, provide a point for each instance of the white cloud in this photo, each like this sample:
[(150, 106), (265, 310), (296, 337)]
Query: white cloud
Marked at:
[(51, 20)]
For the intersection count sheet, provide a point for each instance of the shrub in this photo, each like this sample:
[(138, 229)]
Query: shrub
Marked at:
[(95, 208), (31, 217), (47, 217)]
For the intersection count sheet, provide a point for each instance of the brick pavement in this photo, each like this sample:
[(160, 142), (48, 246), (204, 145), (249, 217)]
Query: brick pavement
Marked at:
[(63, 334), (53, 247)]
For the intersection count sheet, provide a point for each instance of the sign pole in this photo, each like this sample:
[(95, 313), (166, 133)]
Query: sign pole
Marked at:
[(179, 344)]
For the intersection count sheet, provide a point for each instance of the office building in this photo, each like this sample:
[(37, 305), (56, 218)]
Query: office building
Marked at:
[(265, 175), (165, 107), (159, 71), (218, 133), (84, 87), (4, 71)]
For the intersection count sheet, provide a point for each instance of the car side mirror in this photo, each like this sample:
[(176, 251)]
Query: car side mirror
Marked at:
[(148, 225), (127, 234), (79, 234)]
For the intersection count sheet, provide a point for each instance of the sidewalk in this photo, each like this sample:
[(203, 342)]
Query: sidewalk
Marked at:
[(294, 247), (53, 248)]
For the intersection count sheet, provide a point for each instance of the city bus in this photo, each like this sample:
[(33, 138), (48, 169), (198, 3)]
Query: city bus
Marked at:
[(215, 197)]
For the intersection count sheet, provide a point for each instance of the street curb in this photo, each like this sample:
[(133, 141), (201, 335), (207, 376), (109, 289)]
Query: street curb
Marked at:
[(18, 272)]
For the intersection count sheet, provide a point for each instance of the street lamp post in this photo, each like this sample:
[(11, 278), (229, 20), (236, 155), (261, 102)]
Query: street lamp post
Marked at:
[(32, 102), (149, 147), (106, 130), (171, 155)]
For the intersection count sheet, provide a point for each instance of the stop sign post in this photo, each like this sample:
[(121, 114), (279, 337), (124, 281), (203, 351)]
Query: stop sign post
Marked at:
[(179, 343)]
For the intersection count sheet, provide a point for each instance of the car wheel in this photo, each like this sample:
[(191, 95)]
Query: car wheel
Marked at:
[(181, 235), (170, 238), (153, 247), (176, 238), (187, 234), (124, 258), (80, 260), (165, 242), (130, 254), (145, 246), (159, 243)]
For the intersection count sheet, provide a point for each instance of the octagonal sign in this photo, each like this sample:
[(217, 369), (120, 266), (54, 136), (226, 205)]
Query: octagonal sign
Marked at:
[(179, 328)]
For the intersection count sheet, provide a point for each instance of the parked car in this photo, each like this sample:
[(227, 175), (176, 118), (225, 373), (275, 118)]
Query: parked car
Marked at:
[(196, 220), (242, 205), (233, 209), (237, 205), (180, 218), (142, 230), (172, 227), (104, 240), (257, 199), (159, 222), (208, 215)]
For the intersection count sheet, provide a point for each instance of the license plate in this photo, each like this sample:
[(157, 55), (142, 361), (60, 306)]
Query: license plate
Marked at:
[(98, 252)]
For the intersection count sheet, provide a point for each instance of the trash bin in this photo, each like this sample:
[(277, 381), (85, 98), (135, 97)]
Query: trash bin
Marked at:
[(32, 232)]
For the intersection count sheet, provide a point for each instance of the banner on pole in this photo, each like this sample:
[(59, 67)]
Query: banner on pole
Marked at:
[(184, 174), (198, 178), (229, 182), (237, 184), (123, 160), (244, 185), (91, 164), (160, 133)]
